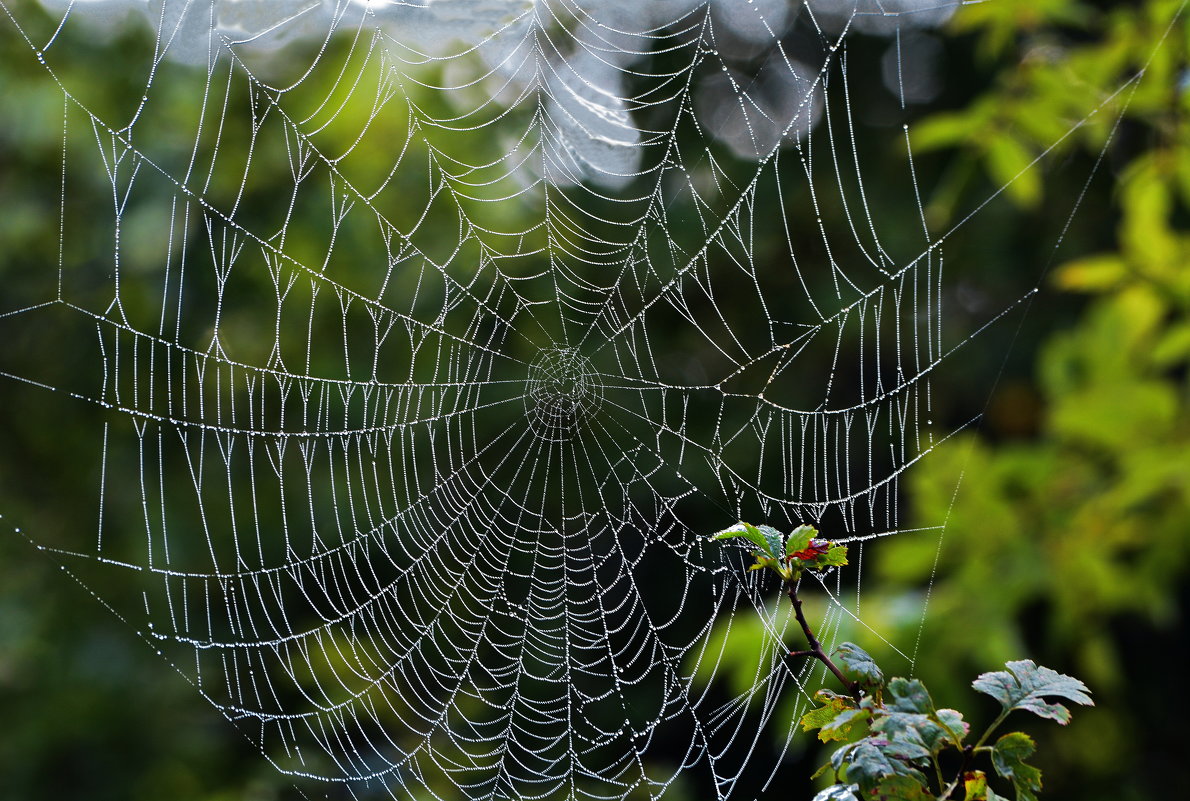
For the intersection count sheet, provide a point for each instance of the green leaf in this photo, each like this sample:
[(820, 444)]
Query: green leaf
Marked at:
[(762, 562), (846, 724), (748, 532), (859, 663), (1010, 165), (975, 786), (868, 765), (1173, 347), (952, 723), (909, 695), (772, 539), (922, 735), (799, 539), (1025, 685), (838, 792), (1098, 273), (835, 557), (904, 750), (822, 769), (1008, 757), (944, 130), (833, 705), (905, 734), (900, 788), (839, 759)]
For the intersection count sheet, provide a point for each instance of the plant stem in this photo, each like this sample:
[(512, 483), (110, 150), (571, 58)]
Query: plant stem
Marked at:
[(995, 724), (815, 649), (938, 771), (967, 751)]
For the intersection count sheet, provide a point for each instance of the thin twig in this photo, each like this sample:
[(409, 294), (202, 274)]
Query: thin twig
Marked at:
[(815, 649)]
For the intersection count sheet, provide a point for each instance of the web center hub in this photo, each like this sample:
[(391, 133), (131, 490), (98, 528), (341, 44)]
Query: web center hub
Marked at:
[(562, 389)]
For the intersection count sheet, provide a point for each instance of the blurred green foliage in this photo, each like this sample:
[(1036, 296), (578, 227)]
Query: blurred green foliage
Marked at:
[(1071, 543), (88, 709), (1068, 536)]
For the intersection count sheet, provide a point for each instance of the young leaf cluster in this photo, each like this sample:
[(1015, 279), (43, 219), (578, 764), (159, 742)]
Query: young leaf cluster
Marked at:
[(896, 745), (787, 555)]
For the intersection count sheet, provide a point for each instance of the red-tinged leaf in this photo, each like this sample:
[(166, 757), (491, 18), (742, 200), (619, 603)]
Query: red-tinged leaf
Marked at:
[(975, 785), (815, 549), (799, 539)]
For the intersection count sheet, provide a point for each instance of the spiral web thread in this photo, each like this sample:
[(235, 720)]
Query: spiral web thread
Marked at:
[(396, 465)]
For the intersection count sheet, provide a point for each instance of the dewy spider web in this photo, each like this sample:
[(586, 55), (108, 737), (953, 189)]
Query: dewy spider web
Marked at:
[(408, 463)]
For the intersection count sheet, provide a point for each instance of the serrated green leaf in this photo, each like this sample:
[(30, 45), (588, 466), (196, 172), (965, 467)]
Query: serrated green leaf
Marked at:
[(953, 726), (799, 539), (909, 695), (868, 765), (835, 557), (905, 751), (857, 662), (748, 532), (819, 717), (832, 706), (921, 730), (841, 756), (772, 539), (934, 736), (1025, 685), (845, 725), (1008, 757), (905, 734)]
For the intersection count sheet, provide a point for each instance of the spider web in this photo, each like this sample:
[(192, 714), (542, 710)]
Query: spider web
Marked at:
[(407, 461)]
